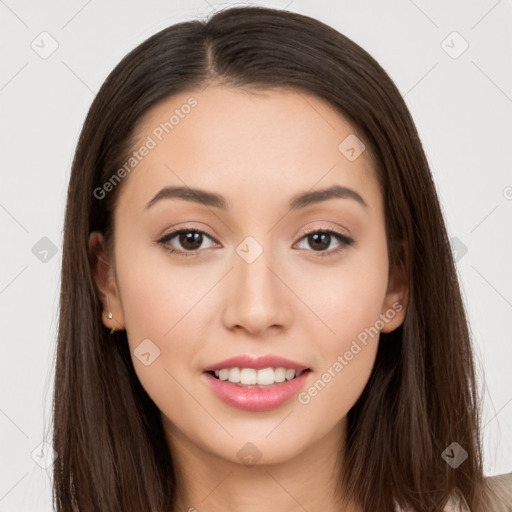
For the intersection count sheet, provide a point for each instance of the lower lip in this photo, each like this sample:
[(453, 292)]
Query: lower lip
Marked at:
[(253, 398)]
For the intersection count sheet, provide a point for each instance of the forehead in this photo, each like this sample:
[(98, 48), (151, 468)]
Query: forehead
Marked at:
[(255, 144)]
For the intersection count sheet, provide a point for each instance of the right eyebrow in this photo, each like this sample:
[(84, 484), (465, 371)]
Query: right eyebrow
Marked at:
[(190, 194)]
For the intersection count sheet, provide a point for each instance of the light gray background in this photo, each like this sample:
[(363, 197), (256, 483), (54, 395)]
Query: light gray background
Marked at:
[(462, 107)]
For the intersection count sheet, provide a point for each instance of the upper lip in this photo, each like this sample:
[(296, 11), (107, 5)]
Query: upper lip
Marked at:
[(256, 362)]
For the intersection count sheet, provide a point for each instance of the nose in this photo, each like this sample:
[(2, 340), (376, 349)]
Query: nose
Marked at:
[(257, 298)]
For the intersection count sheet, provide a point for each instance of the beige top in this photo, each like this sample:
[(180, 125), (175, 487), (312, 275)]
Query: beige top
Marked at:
[(502, 493), (500, 501)]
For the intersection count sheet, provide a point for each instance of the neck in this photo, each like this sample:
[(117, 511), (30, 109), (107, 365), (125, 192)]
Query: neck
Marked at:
[(209, 483)]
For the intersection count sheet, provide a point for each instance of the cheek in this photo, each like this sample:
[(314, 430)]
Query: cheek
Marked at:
[(349, 303), (346, 355), (346, 299), (157, 297), (158, 308)]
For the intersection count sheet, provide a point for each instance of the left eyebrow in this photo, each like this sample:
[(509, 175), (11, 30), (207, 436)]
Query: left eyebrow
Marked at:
[(316, 196), (297, 202)]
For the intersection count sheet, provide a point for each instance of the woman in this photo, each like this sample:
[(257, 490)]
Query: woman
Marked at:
[(259, 304)]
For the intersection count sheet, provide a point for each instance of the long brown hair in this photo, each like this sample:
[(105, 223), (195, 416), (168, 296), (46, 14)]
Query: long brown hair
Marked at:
[(421, 396)]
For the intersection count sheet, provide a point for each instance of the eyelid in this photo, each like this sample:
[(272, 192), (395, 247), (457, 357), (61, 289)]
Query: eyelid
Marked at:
[(164, 239), (324, 229)]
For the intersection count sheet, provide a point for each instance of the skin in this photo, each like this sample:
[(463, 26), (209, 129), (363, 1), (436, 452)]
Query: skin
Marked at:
[(257, 150)]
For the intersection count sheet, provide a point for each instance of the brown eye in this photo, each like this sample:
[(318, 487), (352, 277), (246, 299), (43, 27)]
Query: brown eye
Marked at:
[(320, 240), (189, 241)]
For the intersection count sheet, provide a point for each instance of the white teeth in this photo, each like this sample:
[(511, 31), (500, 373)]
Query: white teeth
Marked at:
[(280, 375), (265, 376), (234, 375), (247, 375), (251, 376)]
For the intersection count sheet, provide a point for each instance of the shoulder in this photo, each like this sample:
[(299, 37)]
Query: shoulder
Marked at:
[(498, 496)]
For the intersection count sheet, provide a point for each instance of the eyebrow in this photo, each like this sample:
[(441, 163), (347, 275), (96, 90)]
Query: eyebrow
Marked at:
[(297, 202)]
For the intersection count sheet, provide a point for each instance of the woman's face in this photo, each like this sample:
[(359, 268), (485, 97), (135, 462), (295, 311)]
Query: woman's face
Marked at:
[(255, 283)]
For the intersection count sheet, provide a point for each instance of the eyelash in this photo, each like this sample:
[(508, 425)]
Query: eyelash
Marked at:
[(345, 241)]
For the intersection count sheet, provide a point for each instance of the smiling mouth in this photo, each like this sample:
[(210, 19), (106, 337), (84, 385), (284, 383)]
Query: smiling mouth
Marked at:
[(261, 378)]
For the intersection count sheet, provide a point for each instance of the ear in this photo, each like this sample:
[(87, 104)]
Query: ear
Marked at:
[(104, 278), (397, 294)]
